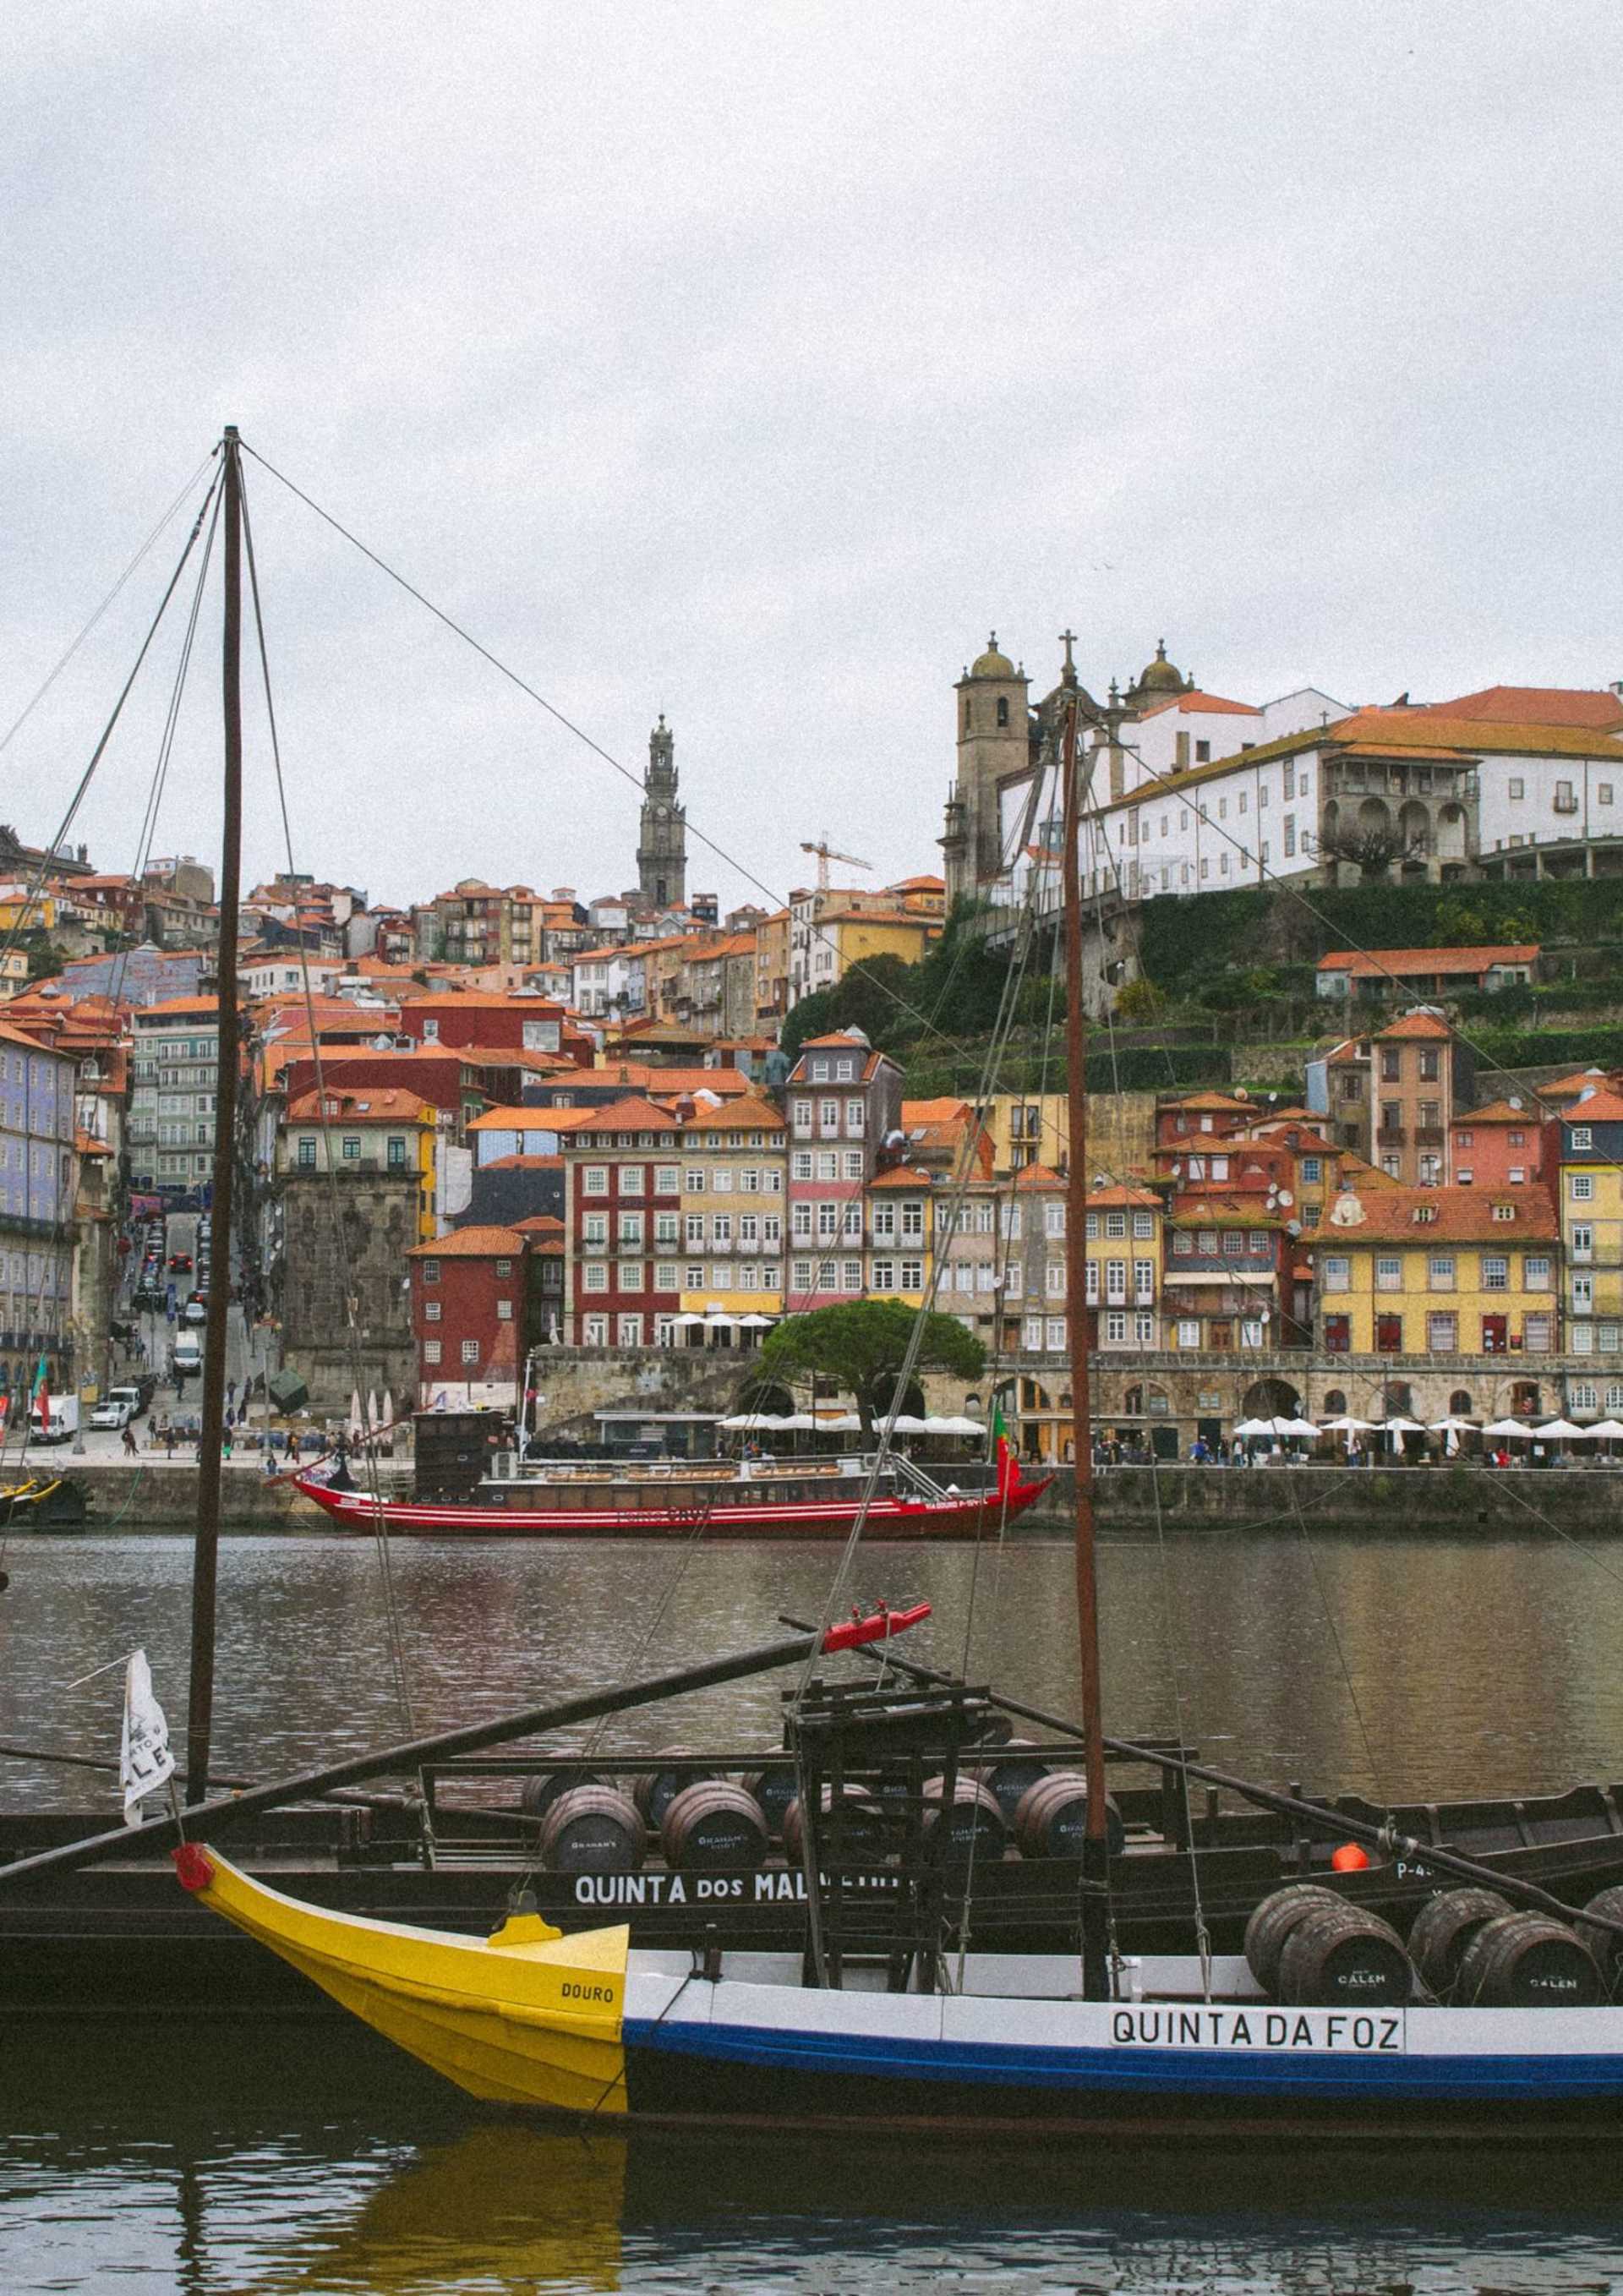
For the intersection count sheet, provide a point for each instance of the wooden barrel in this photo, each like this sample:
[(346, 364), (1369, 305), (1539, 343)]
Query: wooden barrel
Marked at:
[(1012, 1775), (775, 1786), (654, 1790), (541, 1793), (1526, 1961), (1272, 1923), (592, 1830), (713, 1823), (974, 1825), (1341, 1958), (856, 1833), (1606, 1948), (1444, 1928), (1051, 1818)]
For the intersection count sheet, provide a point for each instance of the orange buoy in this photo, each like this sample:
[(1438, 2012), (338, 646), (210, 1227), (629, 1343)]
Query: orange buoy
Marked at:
[(1350, 1859)]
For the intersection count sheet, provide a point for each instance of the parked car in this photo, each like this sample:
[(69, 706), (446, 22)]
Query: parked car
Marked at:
[(195, 1311), (115, 1412), (180, 1263)]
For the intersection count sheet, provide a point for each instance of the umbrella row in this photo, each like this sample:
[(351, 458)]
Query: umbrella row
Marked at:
[(843, 1422), (1553, 1431)]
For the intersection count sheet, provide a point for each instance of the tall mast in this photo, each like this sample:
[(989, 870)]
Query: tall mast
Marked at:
[(204, 1563), (1095, 1867)]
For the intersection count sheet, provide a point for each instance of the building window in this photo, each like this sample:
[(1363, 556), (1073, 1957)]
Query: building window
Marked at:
[(1518, 788), (1337, 1334), (850, 1275), (1440, 1272), (306, 1152), (1582, 1189), (1583, 1136), (1537, 1272), (397, 1155), (352, 1148), (431, 1311), (594, 1277), (595, 1227), (596, 1329), (1389, 1335), (1442, 1335), (1388, 1275), (430, 1271), (666, 1179), (913, 1275), (594, 1180), (1495, 1273), (469, 1351), (1115, 1329)]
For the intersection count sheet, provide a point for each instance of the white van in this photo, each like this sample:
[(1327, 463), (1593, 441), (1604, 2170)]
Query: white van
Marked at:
[(188, 1353)]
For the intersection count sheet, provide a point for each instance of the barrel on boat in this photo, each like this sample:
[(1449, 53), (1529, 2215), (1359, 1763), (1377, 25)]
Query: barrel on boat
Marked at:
[(1341, 1957), (1443, 1930), (1528, 1961), (1605, 1945), (1272, 1923), (655, 1789), (713, 1823), (1051, 1818), (973, 1826), (775, 1786), (855, 1832), (592, 1830), (1012, 1775), (541, 1793)]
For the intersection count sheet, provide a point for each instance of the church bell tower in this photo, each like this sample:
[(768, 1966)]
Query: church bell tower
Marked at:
[(662, 859)]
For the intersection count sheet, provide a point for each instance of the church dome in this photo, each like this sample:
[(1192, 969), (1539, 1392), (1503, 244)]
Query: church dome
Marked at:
[(991, 663), (1161, 675)]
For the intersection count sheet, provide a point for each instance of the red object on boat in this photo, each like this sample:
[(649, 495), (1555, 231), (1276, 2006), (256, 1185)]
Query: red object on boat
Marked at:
[(879, 1627), (194, 1866), (1350, 1859)]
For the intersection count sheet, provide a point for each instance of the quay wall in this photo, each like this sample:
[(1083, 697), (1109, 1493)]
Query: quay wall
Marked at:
[(1468, 1501)]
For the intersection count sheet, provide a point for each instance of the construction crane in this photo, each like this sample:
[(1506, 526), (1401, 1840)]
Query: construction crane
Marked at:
[(825, 853)]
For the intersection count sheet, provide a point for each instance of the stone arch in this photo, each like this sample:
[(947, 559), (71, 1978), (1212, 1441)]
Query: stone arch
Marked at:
[(1375, 814), (1271, 1399), (1451, 833), (767, 1396), (1525, 1401), (1460, 1405), (1331, 817), (1397, 1399), (911, 1401), (1414, 828), (1335, 1403)]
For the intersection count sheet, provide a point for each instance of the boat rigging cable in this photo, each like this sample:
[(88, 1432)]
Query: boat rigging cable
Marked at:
[(398, 1667)]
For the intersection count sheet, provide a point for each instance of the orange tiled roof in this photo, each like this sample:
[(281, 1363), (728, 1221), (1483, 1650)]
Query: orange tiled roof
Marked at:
[(385, 1104), (1458, 1215), (1365, 965), (749, 1114), (1602, 1107), (1545, 705), (1205, 704), (902, 1176), (471, 1244), (632, 1114), (532, 1119), (1414, 1024), (1499, 1111)]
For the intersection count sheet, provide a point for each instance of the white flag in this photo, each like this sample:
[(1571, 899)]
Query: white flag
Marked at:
[(144, 1760)]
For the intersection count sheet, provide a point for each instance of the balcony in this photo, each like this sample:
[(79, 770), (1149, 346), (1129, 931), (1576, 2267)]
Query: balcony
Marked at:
[(1390, 1136), (1427, 1135)]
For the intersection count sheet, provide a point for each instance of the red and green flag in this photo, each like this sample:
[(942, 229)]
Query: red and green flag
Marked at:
[(1004, 1451), (42, 1396)]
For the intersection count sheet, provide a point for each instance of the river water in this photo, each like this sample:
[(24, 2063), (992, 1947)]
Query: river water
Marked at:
[(193, 2158)]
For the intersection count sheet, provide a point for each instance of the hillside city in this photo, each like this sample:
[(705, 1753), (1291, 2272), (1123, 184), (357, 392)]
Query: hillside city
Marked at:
[(628, 1134)]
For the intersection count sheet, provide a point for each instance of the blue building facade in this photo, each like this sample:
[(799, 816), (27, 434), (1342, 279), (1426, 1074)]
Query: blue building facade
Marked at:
[(36, 1211)]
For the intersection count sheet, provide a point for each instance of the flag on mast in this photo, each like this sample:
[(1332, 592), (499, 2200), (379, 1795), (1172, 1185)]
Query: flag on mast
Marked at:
[(42, 1394), (144, 1760), (1005, 1454)]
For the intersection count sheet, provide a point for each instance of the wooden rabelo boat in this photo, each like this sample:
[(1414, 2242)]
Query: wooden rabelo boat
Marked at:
[(743, 1498)]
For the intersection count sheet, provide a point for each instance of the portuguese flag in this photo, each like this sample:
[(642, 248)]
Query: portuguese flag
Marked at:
[(1004, 1452), (42, 1393)]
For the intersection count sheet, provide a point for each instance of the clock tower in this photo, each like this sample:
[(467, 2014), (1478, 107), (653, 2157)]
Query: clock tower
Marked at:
[(661, 860)]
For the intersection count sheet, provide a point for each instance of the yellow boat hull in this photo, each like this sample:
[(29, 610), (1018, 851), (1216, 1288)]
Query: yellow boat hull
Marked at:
[(525, 2017)]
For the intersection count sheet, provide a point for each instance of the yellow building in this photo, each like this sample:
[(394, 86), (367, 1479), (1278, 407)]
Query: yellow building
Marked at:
[(1592, 1220), (1437, 1272), (730, 1239), (379, 1131)]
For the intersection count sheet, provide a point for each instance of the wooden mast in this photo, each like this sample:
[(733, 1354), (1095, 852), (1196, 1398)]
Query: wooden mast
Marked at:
[(1095, 1866), (204, 1563)]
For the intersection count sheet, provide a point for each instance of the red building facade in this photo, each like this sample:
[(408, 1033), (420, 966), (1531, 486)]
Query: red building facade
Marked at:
[(622, 1218), (468, 1315)]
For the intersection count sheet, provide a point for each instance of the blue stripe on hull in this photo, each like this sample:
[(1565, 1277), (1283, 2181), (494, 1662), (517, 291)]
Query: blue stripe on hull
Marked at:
[(1184, 2074)]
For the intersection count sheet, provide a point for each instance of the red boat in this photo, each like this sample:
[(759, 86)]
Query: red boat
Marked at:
[(743, 1498)]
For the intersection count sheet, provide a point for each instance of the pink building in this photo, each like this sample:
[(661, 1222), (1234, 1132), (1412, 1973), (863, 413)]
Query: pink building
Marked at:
[(843, 1101)]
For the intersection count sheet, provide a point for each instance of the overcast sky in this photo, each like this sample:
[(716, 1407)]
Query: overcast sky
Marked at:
[(749, 363)]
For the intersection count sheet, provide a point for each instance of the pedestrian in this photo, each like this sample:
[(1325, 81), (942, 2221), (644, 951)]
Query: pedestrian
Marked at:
[(132, 1449), (269, 1460), (168, 1440), (231, 1392), (225, 1441)]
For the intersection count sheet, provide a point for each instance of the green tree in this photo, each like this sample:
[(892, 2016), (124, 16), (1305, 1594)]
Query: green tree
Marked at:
[(863, 1345), (1139, 1000)]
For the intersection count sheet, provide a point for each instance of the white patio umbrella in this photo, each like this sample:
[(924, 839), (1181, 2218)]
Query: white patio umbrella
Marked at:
[(843, 1422), (1452, 1425), (1398, 1425), (1249, 1427), (1297, 1427), (755, 1422), (798, 1422), (954, 1424), (688, 1320), (754, 1323), (1606, 1431), (355, 1412), (372, 1407), (1347, 1425), (1563, 1431), (387, 1419), (1507, 1427)]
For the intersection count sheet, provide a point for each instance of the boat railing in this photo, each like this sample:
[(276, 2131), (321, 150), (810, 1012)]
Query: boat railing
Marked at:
[(680, 1470)]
